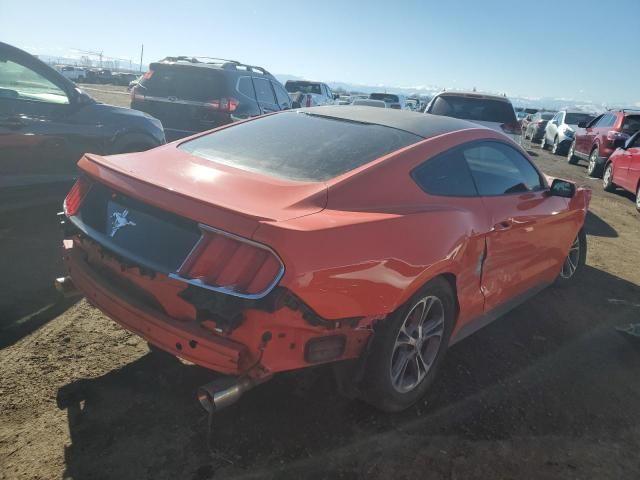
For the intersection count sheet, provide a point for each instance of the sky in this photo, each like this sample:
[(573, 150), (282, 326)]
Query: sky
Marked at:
[(585, 50)]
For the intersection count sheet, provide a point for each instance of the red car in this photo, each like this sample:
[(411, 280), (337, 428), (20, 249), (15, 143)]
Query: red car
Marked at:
[(598, 139), (623, 169), (379, 236)]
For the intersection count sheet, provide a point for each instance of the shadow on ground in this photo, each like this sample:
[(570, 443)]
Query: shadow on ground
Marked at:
[(30, 241), (596, 226), (554, 368)]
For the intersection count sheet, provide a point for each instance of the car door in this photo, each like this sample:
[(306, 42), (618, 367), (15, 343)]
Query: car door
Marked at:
[(585, 139), (531, 233), (552, 127), (265, 95), (37, 127), (627, 165)]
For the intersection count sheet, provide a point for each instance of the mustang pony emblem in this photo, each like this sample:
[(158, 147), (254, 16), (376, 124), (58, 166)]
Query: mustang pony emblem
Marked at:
[(119, 221)]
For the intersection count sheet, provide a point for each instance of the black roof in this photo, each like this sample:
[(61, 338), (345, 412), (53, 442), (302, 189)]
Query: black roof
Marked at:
[(211, 63), (424, 125)]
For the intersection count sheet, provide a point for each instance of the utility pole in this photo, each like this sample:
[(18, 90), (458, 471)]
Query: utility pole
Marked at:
[(141, 54)]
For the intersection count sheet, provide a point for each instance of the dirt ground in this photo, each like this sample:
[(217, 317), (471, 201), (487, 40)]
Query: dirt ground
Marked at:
[(550, 391)]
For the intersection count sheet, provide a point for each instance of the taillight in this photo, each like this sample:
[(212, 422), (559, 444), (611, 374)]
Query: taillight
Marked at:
[(76, 195), (147, 75), (223, 104), (136, 95), (232, 264), (510, 127)]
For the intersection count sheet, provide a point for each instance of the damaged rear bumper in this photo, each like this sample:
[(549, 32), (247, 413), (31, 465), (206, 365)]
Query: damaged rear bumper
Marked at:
[(267, 340)]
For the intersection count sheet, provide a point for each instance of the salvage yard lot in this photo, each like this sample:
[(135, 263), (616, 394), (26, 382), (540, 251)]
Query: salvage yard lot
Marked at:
[(548, 391)]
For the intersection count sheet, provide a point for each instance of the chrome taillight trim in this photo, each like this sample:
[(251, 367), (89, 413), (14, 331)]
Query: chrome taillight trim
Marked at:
[(225, 290)]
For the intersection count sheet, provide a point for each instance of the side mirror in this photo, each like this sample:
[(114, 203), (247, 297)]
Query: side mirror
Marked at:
[(582, 125), (620, 142), (562, 188)]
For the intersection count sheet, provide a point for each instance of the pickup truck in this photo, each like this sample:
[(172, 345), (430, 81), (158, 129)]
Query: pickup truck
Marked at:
[(313, 93)]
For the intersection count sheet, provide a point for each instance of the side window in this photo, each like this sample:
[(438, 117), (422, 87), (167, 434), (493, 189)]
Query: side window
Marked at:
[(245, 87), (499, 169), (18, 82), (264, 92), (594, 122), (635, 143), (329, 93), (561, 118), (281, 95), (606, 121), (446, 174)]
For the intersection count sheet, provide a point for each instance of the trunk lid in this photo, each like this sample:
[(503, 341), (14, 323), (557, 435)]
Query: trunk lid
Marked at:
[(217, 195)]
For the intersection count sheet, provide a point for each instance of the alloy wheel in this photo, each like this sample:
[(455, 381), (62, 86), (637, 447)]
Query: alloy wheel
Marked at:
[(417, 344), (554, 149), (572, 261), (592, 162), (606, 178), (638, 199), (572, 150)]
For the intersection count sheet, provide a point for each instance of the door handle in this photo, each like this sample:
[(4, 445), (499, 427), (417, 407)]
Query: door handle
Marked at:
[(502, 226)]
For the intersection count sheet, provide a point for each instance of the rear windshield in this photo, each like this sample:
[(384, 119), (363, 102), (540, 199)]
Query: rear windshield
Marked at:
[(185, 83), (385, 97), (576, 118), (631, 124), (299, 146), (469, 108), (293, 87)]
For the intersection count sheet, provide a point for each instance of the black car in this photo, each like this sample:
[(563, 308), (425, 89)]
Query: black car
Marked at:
[(191, 95), (47, 123)]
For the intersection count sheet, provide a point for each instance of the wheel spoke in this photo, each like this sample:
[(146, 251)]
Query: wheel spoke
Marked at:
[(400, 367)]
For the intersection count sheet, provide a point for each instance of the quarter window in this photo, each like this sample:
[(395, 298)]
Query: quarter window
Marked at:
[(282, 96), (245, 87), (446, 174), (264, 92), (499, 169)]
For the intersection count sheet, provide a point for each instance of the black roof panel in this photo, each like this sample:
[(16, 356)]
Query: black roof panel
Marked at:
[(422, 124)]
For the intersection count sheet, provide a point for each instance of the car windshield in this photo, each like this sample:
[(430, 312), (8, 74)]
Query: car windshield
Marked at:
[(19, 82), (299, 146), (187, 83), (385, 97), (576, 118), (631, 124), (474, 108), (293, 87)]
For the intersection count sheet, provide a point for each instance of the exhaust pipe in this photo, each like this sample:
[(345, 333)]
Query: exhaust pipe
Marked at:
[(65, 286), (223, 392)]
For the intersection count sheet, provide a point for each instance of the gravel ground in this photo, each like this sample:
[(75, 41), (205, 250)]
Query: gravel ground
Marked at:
[(549, 391)]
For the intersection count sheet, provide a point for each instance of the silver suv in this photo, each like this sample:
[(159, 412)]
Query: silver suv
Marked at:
[(561, 129)]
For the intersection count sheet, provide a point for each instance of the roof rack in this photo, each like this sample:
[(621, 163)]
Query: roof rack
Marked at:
[(223, 62), (631, 109)]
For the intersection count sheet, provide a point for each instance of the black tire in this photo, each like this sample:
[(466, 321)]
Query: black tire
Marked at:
[(571, 158), (134, 142), (593, 169), (607, 178), (567, 275), (386, 350)]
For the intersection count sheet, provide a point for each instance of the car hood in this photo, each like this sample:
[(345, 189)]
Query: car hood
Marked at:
[(193, 184)]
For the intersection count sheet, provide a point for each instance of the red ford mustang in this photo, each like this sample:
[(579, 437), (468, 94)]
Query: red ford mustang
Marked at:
[(321, 235)]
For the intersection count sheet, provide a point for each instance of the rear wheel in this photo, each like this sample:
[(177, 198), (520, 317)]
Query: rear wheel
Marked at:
[(543, 143), (593, 169), (408, 347), (607, 178), (638, 198), (555, 147), (575, 260), (571, 155)]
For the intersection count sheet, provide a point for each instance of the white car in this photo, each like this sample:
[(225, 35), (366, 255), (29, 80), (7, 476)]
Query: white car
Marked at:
[(492, 111), (399, 102), (316, 93), (75, 74), (561, 130)]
